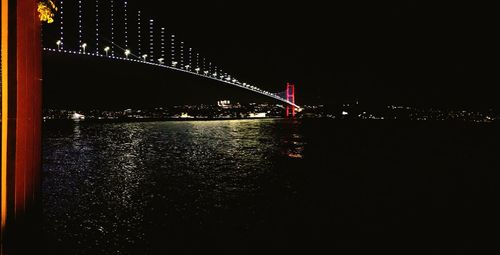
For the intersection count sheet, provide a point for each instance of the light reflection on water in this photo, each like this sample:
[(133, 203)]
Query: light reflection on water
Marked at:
[(243, 187), (109, 186)]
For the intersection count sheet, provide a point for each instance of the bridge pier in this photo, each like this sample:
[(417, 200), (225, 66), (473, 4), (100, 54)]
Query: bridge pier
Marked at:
[(21, 119)]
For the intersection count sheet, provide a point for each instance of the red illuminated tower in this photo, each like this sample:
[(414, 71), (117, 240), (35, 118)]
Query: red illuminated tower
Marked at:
[(290, 96)]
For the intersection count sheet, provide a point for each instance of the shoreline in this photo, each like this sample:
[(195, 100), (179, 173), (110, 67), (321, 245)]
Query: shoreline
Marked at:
[(135, 120), (124, 120)]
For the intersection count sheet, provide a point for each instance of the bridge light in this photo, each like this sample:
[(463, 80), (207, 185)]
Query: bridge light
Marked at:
[(205, 72), (106, 49), (187, 67), (144, 57), (127, 52), (59, 43), (160, 60), (84, 45), (197, 70), (174, 63)]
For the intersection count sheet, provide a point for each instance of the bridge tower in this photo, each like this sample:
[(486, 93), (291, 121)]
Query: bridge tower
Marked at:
[(290, 96), (21, 116)]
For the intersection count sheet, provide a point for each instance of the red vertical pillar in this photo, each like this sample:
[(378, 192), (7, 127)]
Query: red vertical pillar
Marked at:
[(290, 96), (21, 110)]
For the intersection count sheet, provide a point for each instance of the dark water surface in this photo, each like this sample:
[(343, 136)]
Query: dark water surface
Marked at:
[(270, 186)]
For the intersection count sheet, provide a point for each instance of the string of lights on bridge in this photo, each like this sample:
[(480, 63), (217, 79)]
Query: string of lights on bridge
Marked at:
[(182, 58)]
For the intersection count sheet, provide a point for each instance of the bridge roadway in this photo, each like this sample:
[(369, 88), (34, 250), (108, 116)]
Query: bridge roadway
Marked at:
[(200, 74)]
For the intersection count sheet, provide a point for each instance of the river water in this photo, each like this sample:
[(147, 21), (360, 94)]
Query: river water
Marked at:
[(260, 186)]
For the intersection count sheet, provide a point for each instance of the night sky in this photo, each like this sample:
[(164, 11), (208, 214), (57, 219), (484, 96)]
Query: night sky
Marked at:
[(401, 52)]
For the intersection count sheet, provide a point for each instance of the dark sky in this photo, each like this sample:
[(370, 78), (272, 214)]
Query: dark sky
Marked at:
[(403, 52)]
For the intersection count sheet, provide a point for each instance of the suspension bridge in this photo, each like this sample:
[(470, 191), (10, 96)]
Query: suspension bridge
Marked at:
[(93, 28), (112, 29)]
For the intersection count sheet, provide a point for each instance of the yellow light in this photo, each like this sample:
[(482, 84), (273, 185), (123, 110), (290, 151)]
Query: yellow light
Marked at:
[(5, 42), (46, 11)]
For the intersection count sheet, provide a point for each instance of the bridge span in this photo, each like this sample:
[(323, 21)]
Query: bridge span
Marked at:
[(205, 75), (21, 67)]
